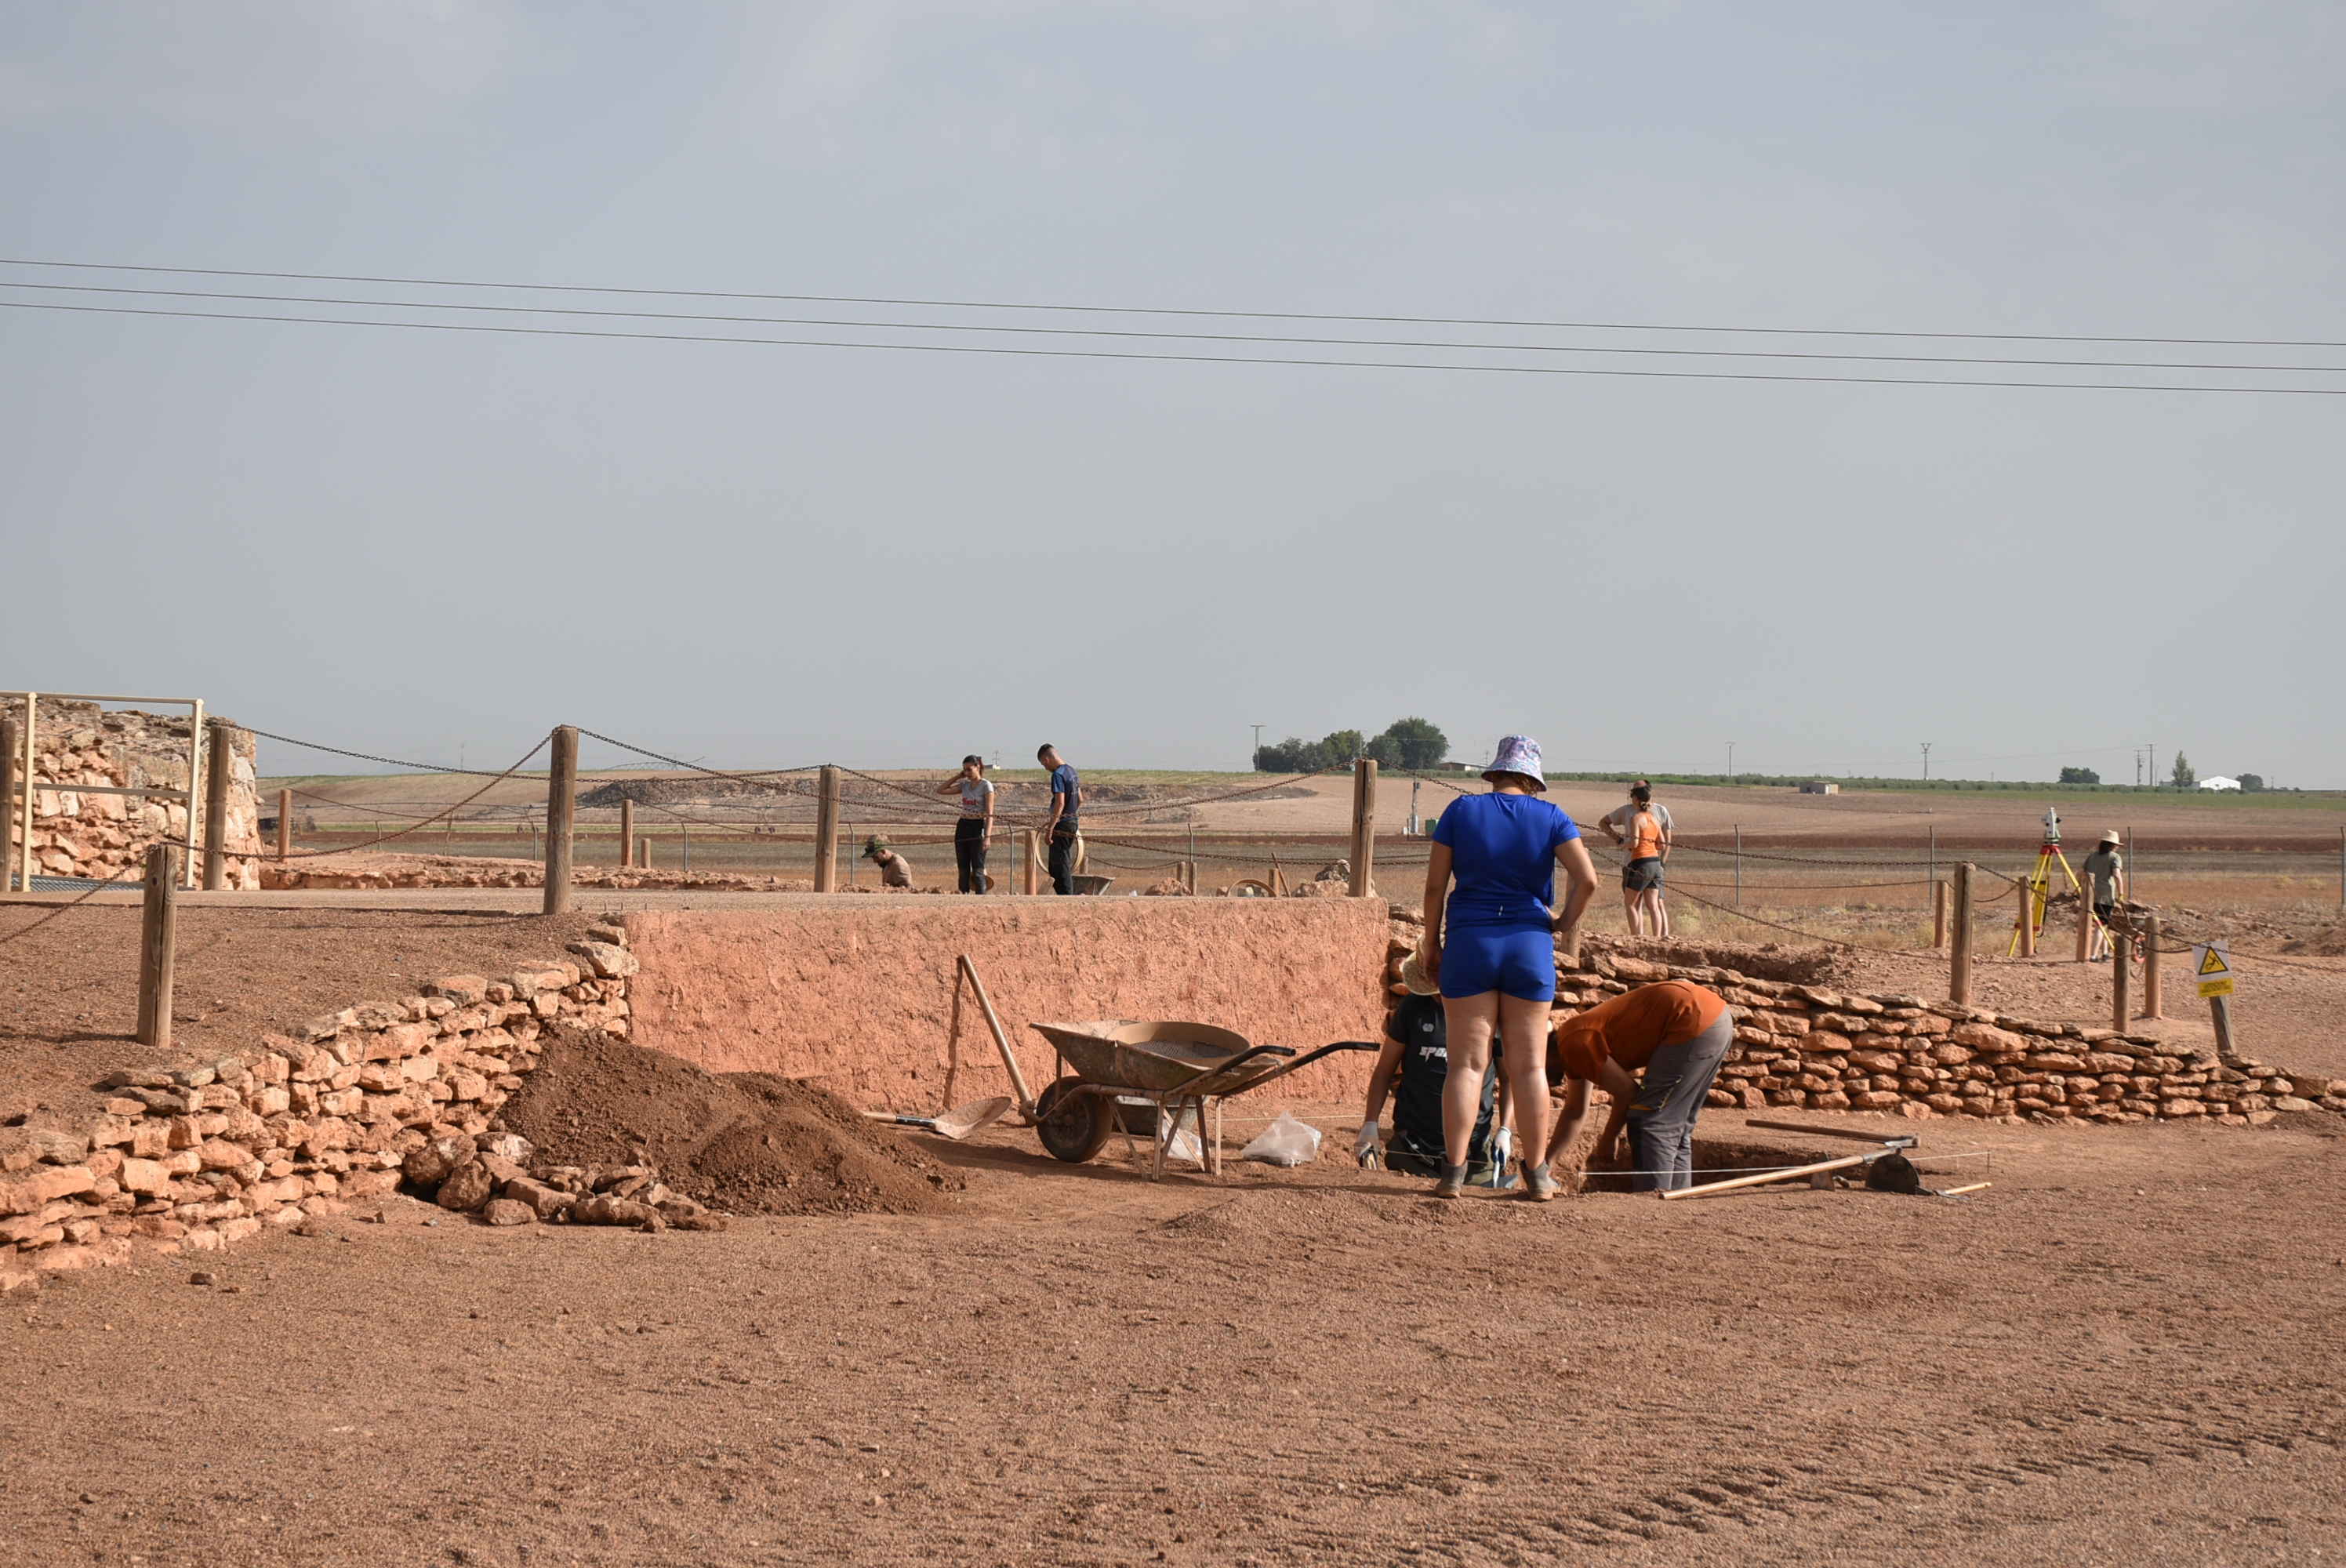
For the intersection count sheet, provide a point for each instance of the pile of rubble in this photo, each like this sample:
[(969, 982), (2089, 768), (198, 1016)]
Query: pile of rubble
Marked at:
[(493, 1174)]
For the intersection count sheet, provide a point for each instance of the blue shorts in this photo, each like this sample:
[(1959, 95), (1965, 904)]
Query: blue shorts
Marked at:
[(1517, 960)]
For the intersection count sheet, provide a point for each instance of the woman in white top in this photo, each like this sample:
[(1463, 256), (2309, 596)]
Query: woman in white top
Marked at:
[(975, 830)]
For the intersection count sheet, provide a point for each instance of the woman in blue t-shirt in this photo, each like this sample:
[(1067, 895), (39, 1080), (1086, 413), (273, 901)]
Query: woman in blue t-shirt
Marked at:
[(1490, 941)]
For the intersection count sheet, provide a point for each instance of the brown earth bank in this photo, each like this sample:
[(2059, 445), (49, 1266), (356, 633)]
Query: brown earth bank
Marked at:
[(69, 990), (2123, 1352), (744, 1143)]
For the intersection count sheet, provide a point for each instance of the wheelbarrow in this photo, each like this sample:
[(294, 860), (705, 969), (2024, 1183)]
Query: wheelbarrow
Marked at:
[(1183, 1071)]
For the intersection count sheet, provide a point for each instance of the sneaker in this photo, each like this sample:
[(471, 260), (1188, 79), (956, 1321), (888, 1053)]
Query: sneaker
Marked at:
[(1539, 1185), (1453, 1182)]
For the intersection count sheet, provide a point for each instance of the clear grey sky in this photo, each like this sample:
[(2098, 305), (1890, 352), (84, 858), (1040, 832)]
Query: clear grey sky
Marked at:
[(412, 541)]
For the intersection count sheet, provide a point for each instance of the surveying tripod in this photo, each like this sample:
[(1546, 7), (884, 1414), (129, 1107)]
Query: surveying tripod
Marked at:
[(2037, 892)]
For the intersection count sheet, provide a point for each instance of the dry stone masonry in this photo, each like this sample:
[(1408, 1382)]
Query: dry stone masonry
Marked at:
[(1814, 1048), (296, 1125), (80, 834)]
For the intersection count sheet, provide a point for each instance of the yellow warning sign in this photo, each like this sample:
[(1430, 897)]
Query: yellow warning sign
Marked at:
[(2212, 966)]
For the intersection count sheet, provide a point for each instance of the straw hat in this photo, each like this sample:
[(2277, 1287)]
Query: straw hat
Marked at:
[(1413, 974), (2111, 837), (1518, 754)]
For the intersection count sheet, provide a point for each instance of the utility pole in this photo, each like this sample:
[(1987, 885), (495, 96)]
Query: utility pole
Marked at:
[(1254, 756), (1926, 760), (1731, 762)]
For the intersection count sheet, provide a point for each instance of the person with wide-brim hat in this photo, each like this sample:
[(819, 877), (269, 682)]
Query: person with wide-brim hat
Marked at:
[(1491, 922), (2101, 870)]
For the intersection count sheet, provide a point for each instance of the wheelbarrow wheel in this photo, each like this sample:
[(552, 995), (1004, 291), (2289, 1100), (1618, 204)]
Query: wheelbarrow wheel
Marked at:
[(1074, 1127)]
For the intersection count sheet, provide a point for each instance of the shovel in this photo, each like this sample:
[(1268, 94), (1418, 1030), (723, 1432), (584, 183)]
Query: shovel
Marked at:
[(957, 1123)]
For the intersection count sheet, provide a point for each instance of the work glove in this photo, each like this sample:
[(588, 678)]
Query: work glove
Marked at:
[(1366, 1148), (1502, 1144)]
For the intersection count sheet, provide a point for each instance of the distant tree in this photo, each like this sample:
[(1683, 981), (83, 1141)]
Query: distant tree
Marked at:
[(1381, 751), (1339, 747), (1292, 755), (2185, 778), (2079, 776), (2252, 782), (1415, 743)]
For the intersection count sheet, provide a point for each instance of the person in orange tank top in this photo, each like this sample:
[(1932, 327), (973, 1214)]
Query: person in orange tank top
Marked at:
[(1655, 1050)]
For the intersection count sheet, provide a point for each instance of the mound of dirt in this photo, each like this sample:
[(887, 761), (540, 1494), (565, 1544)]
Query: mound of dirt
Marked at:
[(2331, 943), (744, 1143)]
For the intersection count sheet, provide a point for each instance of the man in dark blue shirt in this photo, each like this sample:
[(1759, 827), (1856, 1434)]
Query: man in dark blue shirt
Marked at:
[(1067, 803)]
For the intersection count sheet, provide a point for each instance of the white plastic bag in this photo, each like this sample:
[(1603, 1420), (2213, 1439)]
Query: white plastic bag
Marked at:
[(1286, 1142)]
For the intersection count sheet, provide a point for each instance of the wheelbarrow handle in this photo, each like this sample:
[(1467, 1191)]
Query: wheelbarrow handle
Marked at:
[(1305, 1060)]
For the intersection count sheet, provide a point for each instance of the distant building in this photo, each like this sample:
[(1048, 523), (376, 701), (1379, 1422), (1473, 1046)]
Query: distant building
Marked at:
[(1820, 787), (2220, 783)]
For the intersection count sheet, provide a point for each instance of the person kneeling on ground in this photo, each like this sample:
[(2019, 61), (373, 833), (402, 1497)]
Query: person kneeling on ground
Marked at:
[(895, 872), (1673, 1032), (1414, 1067)]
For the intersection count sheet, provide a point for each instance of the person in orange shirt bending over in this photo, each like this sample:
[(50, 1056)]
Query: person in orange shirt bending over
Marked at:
[(1654, 1050)]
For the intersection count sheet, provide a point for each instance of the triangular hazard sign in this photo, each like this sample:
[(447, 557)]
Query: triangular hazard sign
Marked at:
[(2212, 963)]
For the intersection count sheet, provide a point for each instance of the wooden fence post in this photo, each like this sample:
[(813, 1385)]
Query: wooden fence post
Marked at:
[(561, 801), (2219, 1012), (218, 754), (1026, 867), (1938, 913), (644, 852), (284, 823), (626, 832), (826, 830), (2086, 921), (1739, 865), (2025, 896), (158, 948), (1959, 952), (2154, 992), (2121, 982), (8, 811), (1364, 825)]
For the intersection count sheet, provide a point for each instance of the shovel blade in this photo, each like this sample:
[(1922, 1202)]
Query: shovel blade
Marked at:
[(963, 1120)]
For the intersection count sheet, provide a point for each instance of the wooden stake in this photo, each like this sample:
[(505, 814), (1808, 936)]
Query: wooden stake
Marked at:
[(284, 823), (1959, 952), (826, 830), (2121, 982), (2026, 899), (158, 949), (2219, 1010), (561, 803), (2154, 992), (218, 752), (8, 811), (1711, 1189), (644, 852), (2085, 920), (1938, 915), (1364, 824), (1959, 1191), (626, 832)]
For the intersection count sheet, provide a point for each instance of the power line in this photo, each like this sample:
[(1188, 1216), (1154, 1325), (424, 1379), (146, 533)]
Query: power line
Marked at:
[(1181, 337), (1167, 310), (1180, 359)]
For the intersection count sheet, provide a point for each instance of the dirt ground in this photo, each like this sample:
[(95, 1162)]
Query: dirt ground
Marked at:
[(2125, 1352), (69, 991)]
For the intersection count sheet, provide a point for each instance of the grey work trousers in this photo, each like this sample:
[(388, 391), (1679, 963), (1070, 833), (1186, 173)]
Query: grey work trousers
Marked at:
[(1669, 1095)]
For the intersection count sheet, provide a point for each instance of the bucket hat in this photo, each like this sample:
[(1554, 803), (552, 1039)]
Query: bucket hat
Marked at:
[(1518, 754), (2111, 837), (873, 846)]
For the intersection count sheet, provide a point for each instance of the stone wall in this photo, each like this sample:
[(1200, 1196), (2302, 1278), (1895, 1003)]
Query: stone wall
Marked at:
[(858, 993), (294, 1126), (1814, 1048), (80, 834)]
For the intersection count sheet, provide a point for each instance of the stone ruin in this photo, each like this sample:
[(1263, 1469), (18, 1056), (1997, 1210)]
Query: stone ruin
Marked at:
[(77, 833)]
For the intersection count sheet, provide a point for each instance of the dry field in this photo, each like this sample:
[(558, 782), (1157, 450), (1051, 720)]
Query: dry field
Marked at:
[(2125, 1352)]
